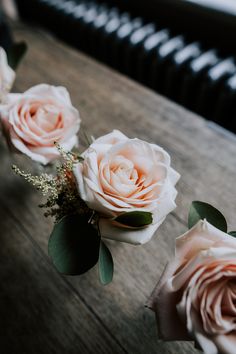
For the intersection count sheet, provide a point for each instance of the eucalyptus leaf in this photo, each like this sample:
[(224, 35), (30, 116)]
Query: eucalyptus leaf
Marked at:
[(106, 266), (16, 53), (200, 210), (135, 218), (74, 245), (232, 233)]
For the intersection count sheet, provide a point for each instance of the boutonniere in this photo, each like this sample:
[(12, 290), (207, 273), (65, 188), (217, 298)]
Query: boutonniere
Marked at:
[(195, 297), (118, 188)]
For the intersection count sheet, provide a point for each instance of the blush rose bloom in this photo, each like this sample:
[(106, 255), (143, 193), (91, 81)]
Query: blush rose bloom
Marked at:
[(196, 296), (34, 120), (120, 175), (7, 75)]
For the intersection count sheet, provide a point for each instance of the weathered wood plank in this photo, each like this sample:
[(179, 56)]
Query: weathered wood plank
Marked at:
[(204, 157)]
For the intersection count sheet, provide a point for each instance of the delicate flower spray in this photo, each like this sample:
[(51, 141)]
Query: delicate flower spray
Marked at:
[(60, 190)]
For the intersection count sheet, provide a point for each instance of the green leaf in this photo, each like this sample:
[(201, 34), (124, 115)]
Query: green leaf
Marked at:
[(135, 218), (16, 53), (106, 265), (232, 233), (200, 210), (74, 245)]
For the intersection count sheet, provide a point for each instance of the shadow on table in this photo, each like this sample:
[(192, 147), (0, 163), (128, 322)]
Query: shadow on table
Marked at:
[(26, 308), (22, 316)]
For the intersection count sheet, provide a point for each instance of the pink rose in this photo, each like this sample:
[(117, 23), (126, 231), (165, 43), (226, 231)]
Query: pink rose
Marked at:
[(196, 296), (120, 175), (34, 120), (7, 75)]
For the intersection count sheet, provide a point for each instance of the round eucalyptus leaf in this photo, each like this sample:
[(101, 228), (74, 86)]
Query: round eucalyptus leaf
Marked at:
[(74, 245), (200, 210)]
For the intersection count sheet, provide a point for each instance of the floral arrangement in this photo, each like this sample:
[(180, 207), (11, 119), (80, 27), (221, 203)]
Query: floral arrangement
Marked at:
[(121, 189), (195, 297)]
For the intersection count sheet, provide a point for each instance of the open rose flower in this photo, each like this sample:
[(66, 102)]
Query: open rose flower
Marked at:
[(7, 75), (120, 175), (34, 120), (196, 296)]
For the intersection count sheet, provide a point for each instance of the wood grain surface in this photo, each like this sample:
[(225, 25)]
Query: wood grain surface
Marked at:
[(42, 311)]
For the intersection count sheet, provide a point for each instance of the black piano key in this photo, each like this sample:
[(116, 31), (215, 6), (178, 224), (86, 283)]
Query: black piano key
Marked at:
[(195, 73), (211, 87), (61, 13), (147, 54), (83, 25), (97, 26), (134, 47), (77, 23), (120, 45), (176, 70), (225, 109), (161, 61), (110, 33)]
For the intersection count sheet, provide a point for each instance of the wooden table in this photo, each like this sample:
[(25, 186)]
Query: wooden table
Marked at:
[(42, 311)]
